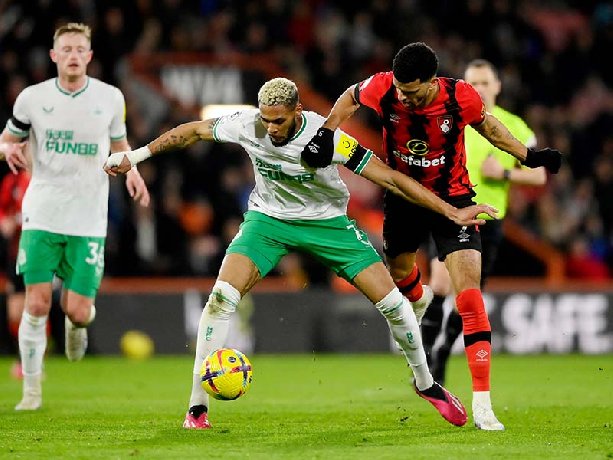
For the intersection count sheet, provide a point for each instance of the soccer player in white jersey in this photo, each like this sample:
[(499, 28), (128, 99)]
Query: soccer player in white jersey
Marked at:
[(71, 122), (294, 206)]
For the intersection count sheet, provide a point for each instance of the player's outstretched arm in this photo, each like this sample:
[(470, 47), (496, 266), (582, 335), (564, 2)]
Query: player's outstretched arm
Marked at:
[(498, 135), (408, 188), (177, 138)]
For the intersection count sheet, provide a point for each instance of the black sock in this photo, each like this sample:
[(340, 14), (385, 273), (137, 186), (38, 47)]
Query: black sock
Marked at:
[(431, 324), (197, 411), (435, 391), (453, 328)]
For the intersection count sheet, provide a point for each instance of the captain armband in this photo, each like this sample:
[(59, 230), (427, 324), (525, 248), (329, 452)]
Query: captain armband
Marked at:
[(359, 158)]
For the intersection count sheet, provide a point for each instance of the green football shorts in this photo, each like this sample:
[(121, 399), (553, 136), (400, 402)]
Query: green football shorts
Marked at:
[(337, 243), (77, 260)]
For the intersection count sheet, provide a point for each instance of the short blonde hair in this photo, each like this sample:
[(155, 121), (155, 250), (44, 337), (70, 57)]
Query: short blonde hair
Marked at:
[(73, 27), (278, 91)]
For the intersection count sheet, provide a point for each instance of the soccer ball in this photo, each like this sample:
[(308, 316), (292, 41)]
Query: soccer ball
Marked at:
[(226, 374)]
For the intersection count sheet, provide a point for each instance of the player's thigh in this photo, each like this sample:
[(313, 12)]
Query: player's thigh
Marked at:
[(464, 267), (82, 266), (39, 255), (338, 243), (260, 238)]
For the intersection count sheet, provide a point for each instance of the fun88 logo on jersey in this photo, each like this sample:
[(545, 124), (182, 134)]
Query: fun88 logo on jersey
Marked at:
[(418, 150)]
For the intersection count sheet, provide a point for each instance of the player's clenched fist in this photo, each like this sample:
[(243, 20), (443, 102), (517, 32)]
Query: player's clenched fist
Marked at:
[(122, 162), (550, 158)]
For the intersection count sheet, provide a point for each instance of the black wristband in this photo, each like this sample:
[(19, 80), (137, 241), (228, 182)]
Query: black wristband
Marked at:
[(506, 174)]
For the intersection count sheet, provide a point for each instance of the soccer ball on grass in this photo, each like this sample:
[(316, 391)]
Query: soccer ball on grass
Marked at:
[(226, 374)]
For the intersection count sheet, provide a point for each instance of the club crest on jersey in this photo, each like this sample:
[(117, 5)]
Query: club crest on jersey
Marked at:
[(444, 123)]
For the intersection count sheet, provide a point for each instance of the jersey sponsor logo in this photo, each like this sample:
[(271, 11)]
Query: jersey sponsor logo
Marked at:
[(418, 147), (417, 160), (61, 142), (273, 172), (346, 145), (444, 123)]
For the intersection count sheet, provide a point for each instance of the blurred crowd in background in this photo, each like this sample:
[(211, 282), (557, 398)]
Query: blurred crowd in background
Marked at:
[(554, 63)]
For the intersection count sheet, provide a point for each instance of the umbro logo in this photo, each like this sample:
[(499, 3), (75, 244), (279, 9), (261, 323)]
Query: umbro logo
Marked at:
[(463, 237), (482, 355), (48, 110), (394, 118)]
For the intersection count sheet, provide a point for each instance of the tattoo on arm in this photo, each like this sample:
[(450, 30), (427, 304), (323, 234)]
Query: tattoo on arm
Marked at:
[(183, 136), (499, 136)]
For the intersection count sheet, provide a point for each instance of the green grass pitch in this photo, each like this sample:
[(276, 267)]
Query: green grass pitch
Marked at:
[(309, 407)]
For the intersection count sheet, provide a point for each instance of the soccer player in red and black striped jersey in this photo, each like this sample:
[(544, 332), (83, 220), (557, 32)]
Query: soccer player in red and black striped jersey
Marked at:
[(423, 118)]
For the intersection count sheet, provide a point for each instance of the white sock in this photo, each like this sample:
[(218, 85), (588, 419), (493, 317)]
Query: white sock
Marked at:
[(32, 343), (212, 333), (402, 323), (32, 384), (482, 399)]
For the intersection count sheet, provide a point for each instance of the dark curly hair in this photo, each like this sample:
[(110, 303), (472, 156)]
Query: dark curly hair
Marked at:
[(415, 61)]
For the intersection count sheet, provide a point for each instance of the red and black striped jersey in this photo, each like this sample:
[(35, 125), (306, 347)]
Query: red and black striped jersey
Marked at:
[(426, 143)]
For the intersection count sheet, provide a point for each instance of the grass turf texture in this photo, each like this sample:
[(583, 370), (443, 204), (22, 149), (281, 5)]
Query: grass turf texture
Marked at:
[(309, 406)]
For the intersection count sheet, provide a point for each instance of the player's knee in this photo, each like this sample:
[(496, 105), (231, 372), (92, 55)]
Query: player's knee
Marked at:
[(223, 300), (82, 316), (38, 305)]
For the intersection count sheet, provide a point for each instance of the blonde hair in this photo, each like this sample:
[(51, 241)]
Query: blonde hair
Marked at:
[(278, 91), (73, 27)]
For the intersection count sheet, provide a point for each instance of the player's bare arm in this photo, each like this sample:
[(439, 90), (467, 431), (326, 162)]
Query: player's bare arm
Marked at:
[(344, 107), (183, 136), (177, 138), (318, 151), (495, 132), (498, 135), (408, 188)]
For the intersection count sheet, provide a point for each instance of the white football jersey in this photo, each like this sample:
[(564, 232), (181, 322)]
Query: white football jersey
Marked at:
[(284, 187), (69, 137)]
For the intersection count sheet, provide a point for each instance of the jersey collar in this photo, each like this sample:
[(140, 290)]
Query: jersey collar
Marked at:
[(69, 93), (302, 128)]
